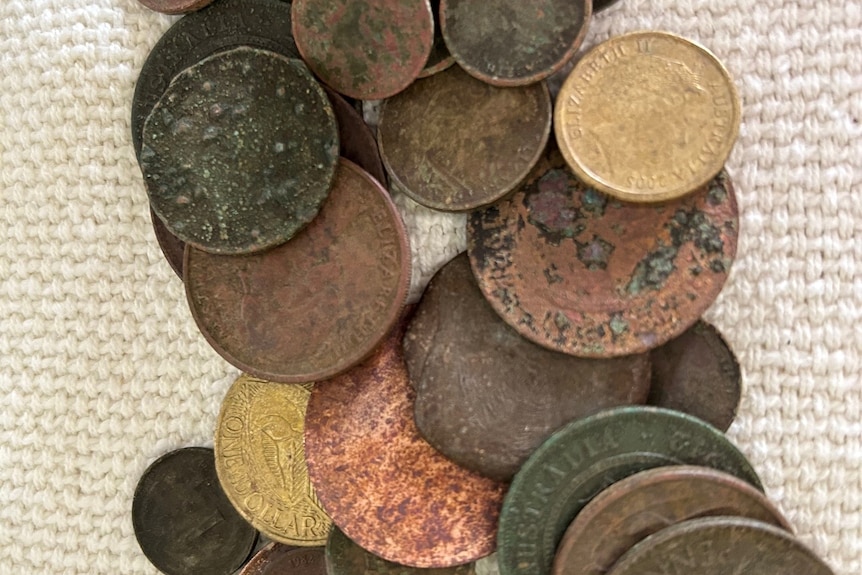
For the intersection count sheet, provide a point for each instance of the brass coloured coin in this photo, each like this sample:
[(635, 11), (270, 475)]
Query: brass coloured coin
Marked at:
[(278, 559)]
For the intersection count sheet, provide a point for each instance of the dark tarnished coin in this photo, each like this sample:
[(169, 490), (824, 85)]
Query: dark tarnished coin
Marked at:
[(487, 397), (586, 456), (454, 143), (174, 6), (172, 246), (357, 141), (240, 152), (579, 272), (366, 49), (599, 5), (278, 559), (647, 502), (512, 42), (182, 519), (440, 58), (385, 486), (721, 546), (320, 303), (221, 26), (697, 373)]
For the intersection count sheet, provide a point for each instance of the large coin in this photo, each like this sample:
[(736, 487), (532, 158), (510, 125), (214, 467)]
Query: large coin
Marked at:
[(487, 397), (182, 520), (278, 559), (454, 143), (640, 505), (316, 305), (647, 116), (586, 456), (581, 273)]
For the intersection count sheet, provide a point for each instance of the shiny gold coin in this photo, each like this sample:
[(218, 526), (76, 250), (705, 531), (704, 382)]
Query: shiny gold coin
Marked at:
[(647, 117), (260, 460)]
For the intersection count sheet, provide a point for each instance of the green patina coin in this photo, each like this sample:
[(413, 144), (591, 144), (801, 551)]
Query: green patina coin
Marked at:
[(240, 152), (586, 456)]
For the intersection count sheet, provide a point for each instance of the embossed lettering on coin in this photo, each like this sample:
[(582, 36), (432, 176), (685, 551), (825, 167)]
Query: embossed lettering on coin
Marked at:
[(278, 559)]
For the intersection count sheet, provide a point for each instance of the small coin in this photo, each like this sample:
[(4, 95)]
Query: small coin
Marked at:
[(512, 42), (366, 49), (697, 373), (278, 559), (357, 141), (260, 461), (578, 272), (182, 520), (721, 546), (586, 456), (440, 59), (448, 139), (175, 6), (172, 247), (315, 306), (647, 117), (487, 397), (638, 506)]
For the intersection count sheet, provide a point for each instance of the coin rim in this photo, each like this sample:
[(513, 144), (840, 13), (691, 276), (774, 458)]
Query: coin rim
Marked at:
[(261, 560)]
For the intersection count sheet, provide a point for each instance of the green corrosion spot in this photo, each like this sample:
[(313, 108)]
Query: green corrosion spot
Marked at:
[(618, 325)]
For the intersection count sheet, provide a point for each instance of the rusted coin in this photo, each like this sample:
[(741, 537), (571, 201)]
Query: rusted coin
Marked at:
[(172, 247), (182, 520), (175, 6), (366, 49), (439, 59), (586, 456), (315, 306), (721, 546), (511, 42), (385, 486), (582, 273), (356, 139), (647, 117), (638, 506), (448, 139), (487, 397), (697, 373), (278, 559)]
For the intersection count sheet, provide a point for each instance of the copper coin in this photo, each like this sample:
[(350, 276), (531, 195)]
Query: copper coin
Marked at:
[(454, 143), (385, 486), (172, 247), (512, 42), (175, 6), (278, 559), (366, 49), (487, 397), (697, 373), (439, 59), (356, 139), (638, 506), (579, 272), (316, 305)]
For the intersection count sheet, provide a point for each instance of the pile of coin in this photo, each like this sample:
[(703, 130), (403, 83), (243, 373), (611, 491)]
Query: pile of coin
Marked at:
[(506, 410)]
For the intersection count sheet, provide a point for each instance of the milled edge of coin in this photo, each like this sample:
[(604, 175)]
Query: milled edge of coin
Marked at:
[(276, 552)]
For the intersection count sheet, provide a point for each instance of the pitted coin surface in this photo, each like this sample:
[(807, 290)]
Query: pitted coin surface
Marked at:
[(278, 559), (175, 6)]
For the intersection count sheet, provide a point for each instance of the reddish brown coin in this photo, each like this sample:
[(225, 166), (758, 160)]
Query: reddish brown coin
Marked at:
[(315, 306), (579, 272), (175, 6), (383, 485), (278, 559), (355, 138), (172, 247)]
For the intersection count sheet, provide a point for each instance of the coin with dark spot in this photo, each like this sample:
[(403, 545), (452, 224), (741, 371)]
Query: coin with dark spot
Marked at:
[(278, 559), (182, 519), (487, 397), (588, 455), (448, 140), (599, 5), (366, 49), (356, 139), (174, 6), (697, 373), (579, 272), (172, 247), (512, 42), (440, 58), (638, 506)]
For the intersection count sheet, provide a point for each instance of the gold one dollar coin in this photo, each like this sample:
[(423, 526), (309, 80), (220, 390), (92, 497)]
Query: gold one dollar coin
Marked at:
[(647, 117), (260, 460)]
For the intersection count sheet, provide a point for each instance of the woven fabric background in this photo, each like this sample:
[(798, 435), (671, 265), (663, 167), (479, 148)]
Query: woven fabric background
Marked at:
[(102, 368)]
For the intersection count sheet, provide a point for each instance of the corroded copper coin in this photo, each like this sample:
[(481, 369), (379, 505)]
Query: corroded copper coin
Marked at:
[(320, 303), (175, 6), (579, 272), (512, 42), (356, 139), (278, 559), (366, 49), (385, 486), (439, 59), (172, 247), (487, 397), (454, 143), (638, 506), (697, 373)]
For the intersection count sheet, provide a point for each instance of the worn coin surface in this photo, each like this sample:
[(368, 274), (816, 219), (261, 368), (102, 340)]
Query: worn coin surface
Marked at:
[(647, 116), (174, 6), (487, 397), (356, 139), (385, 486), (586, 456), (638, 506), (697, 373), (260, 460), (439, 59), (582, 273), (366, 49), (721, 546), (511, 42), (182, 520), (315, 306), (278, 559), (172, 247), (455, 143)]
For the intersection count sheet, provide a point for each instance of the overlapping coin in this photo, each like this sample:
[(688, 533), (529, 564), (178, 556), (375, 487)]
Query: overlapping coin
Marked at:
[(439, 59), (175, 6)]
